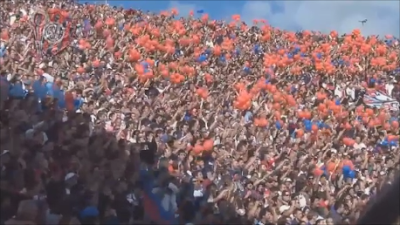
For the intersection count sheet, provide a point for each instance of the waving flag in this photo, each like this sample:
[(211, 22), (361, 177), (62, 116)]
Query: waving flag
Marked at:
[(380, 100), (152, 203)]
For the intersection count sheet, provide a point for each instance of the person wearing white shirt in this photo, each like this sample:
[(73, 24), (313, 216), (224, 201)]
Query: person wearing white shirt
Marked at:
[(389, 88)]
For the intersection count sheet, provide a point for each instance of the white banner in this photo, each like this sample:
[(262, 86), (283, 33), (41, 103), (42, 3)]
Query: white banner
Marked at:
[(381, 100)]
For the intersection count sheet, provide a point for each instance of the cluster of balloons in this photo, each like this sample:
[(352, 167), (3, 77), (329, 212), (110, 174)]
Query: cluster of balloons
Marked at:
[(207, 145), (346, 166), (348, 172)]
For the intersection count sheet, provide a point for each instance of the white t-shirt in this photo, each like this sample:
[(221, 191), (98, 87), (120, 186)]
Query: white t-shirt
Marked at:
[(389, 88), (351, 92), (359, 146), (339, 92)]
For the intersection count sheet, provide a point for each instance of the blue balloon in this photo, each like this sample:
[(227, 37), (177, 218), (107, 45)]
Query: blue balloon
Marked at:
[(296, 50), (384, 143), (278, 125), (351, 174), (145, 65), (307, 125), (346, 169), (202, 58)]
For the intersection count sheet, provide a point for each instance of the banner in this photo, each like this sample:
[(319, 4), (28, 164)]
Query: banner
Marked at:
[(380, 100), (152, 203)]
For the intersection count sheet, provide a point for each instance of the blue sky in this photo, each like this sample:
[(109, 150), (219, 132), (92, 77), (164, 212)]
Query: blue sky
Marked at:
[(342, 16)]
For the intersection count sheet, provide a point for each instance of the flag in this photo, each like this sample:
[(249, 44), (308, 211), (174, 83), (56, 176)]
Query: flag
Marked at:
[(380, 100), (200, 11), (152, 203)]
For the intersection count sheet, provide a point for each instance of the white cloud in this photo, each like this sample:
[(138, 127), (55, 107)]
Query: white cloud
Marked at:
[(342, 16)]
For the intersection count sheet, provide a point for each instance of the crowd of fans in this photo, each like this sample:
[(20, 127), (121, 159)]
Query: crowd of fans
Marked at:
[(116, 116)]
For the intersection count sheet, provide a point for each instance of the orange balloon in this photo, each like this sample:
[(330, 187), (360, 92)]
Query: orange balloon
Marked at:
[(109, 42), (208, 144), (217, 50), (96, 63), (164, 73), (236, 17), (134, 55), (117, 54), (347, 126), (369, 112), (318, 172), (301, 115), (198, 149), (263, 122), (392, 137), (202, 92), (110, 21), (106, 32), (208, 78), (349, 163), (348, 141), (331, 166), (299, 133), (314, 127), (4, 35), (98, 25), (386, 126), (307, 115), (80, 70)]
